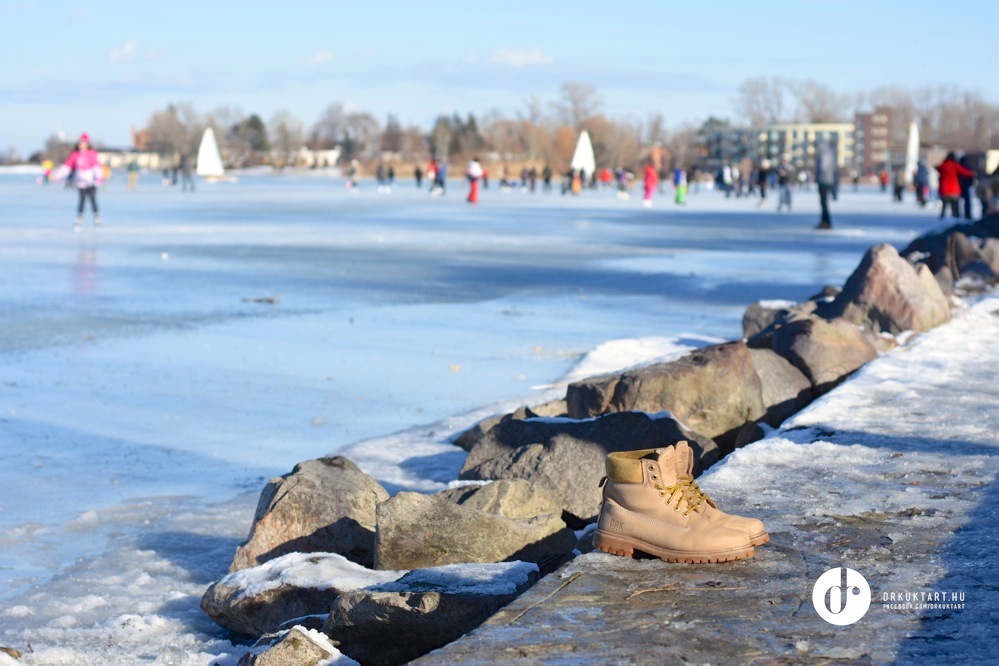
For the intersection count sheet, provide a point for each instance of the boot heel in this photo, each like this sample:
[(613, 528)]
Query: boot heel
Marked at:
[(608, 544)]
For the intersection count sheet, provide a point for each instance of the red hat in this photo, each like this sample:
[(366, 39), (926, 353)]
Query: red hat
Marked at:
[(85, 137)]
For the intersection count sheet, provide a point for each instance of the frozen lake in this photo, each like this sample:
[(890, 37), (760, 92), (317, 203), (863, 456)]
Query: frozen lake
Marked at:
[(154, 374)]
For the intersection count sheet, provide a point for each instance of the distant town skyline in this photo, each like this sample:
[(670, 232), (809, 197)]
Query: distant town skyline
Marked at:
[(104, 67)]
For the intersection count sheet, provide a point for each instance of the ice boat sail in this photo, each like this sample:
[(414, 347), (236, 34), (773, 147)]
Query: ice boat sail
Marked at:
[(583, 159), (209, 159), (912, 152)]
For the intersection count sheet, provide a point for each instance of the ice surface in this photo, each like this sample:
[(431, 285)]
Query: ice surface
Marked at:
[(149, 388), (492, 579)]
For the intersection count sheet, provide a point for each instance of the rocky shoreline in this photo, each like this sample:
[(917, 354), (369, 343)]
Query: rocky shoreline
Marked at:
[(333, 563)]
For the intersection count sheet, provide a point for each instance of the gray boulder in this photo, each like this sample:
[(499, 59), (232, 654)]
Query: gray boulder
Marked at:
[(265, 598), (887, 293), (422, 611), (714, 391), (298, 647), (325, 505), (418, 531), (511, 498), (469, 438), (762, 314), (824, 351), (567, 456), (785, 390)]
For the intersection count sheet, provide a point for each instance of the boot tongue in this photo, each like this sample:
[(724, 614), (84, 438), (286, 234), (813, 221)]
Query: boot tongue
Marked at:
[(684, 462)]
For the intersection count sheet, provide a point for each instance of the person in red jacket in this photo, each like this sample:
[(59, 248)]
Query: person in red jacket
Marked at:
[(950, 186), (651, 180)]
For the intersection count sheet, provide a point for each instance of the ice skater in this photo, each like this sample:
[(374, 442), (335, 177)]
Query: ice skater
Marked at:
[(88, 174), (474, 174), (650, 181), (825, 176), (785, 174)]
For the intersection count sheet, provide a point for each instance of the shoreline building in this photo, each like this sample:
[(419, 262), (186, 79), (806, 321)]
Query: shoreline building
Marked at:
[(873, 140), (800, 142)]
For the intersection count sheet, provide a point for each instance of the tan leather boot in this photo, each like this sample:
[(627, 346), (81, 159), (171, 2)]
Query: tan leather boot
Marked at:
[(648, 507), (685, 469)]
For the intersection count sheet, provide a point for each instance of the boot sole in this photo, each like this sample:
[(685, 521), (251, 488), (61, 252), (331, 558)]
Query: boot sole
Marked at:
[(759, 539), (615, 544)]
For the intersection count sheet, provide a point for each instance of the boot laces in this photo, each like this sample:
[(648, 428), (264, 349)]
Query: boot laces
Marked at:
[(685, 489)]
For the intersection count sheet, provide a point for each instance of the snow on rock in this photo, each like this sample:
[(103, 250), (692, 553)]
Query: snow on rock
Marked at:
[(262, 599), (395, 622), (299, 646)]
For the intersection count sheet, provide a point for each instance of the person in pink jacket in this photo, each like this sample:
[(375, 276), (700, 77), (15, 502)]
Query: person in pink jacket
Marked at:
[(651, 180), (88, 174)]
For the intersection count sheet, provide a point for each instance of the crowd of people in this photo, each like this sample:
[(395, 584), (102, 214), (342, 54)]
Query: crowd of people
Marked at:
[(953, 182)]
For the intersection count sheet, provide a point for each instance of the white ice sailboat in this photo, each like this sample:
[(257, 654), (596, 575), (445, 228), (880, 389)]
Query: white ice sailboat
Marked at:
[(583, 158), (912, 152), (210, 160)]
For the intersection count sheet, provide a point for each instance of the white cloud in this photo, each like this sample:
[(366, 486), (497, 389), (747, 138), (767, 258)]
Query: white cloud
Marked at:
[(318, 57), (124, 53), (520, 58)]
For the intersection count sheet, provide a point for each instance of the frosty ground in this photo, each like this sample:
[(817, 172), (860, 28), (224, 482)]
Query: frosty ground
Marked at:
[(156, 373)]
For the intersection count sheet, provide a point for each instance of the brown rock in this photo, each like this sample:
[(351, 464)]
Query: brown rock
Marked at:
[(825, 351), (785, 390), (299, 647), (888, 294), (417, 531), (265, 598), (424, 610), (325, 505), (714, 391)]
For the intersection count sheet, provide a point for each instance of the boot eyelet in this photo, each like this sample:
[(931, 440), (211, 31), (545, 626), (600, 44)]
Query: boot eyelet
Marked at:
[(662, 494), (654, 477)]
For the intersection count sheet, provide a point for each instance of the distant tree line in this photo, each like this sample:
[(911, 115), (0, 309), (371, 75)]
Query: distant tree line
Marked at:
[(541, 133)]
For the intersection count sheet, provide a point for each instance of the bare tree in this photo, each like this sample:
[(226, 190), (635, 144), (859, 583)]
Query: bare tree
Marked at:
[(578, 103), (655, 129), (362, 134), (684, 145), (287, 136), (329, 130), (392, 136), (174, 131), (818, 103), (761, 101)]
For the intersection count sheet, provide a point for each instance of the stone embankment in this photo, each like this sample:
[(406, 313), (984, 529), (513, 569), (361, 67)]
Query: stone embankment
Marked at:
[(410, 573)]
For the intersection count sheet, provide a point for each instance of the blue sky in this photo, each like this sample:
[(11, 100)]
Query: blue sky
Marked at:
[(106, 66)]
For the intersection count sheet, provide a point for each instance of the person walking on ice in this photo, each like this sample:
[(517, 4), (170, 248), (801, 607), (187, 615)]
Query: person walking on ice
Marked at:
[(88, 176), (474, 174), (825, 176)]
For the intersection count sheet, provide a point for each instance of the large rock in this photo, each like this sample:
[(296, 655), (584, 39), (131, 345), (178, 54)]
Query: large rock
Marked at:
[(511, 498), (762, 314), (469, 438), (714, 391), (888, 294), (325, 505), (422, 611), (298, 647), (824, 351), (567, 456), (785, 389), (262, 599), (417, 531)]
